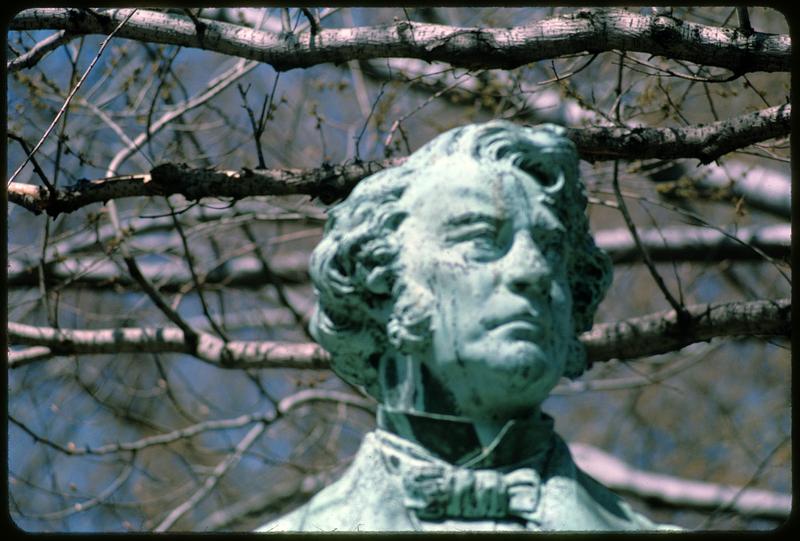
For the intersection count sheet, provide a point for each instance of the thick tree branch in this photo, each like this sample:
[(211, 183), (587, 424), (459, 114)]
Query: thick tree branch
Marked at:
[(330, 183), (666, 244), (705, 143), (234, 354), (637, 337), (660, 332), (591, 30), (677, 492)]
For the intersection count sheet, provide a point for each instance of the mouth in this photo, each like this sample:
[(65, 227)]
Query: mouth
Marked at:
[(524, 326)]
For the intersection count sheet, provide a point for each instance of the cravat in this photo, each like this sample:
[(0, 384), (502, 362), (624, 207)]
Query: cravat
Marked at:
[(435, 492), (434, 489)]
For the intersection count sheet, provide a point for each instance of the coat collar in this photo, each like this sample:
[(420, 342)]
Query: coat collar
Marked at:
[(453, 439)]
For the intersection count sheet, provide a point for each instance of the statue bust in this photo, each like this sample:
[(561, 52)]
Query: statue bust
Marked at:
[(453, 289)]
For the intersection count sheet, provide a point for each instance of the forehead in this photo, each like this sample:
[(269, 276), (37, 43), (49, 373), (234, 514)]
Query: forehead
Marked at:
[(453, 186)]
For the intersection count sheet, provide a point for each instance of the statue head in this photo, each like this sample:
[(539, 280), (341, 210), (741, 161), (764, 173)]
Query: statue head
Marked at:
[(459, 281)]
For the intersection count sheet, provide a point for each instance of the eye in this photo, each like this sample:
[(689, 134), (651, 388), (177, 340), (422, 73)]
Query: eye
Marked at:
[(481, 240)]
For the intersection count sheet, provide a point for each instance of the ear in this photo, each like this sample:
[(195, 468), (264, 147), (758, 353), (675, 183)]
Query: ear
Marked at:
[(380, 280)]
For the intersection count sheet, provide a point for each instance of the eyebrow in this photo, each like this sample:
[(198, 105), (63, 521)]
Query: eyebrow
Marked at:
[(470, 217)]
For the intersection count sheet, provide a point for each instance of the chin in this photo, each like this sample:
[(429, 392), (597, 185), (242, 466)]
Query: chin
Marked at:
[(528, 379), (526, 361)]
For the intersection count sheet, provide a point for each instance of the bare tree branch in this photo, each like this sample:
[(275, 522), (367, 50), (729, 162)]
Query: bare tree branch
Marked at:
[(245, 272), (591, 30), (79, 507), (629, 339), (234, 354), (72, 92), (211, 481), (330, 183), (39, 51), (279, 497), (284, 406), (660, 332), (666, 244), (760, 187), (677, 492), (327, 183), (705, 143), (688, 243)]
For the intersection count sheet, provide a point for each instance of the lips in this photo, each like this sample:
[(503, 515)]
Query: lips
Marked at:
[(520, 324)]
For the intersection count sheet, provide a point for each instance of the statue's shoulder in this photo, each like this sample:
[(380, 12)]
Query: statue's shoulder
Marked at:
[(614, 510), (580, 502), (364, 498)]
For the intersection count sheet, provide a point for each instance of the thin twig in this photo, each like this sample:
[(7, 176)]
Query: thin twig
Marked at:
[(92, 502), (69, 97), (744, 21), (396, 123), (678, 307), (212, 480), (313, 20), (275, 280), (190, 335), (37, 169), (195, 280)]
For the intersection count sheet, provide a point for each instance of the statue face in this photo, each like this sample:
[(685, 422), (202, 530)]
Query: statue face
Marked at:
[(491, 253)]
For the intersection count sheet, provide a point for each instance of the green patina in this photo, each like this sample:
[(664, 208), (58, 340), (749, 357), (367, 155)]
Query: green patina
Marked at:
[(453, 289)]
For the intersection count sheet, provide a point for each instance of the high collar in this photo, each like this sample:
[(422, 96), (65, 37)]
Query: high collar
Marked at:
[(454, 439)]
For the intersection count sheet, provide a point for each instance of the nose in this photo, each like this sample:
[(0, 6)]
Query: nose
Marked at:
[(526, 269)]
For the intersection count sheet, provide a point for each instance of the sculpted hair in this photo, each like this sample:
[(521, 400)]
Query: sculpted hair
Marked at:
[(362, 305)]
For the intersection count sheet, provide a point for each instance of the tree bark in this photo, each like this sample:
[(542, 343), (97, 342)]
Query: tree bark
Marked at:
[(637, 337), (330, 183), (586, 30)]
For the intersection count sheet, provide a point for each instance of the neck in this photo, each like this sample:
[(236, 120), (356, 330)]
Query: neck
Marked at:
[(488, 430), (470, 442)]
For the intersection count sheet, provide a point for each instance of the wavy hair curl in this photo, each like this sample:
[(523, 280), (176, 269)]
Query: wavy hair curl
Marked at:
[(364, 308)]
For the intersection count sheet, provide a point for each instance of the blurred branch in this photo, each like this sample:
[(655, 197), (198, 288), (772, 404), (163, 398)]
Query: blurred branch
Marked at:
[(665, 244), (277, 498), (677, 492), (629, 339), (22, 357), (684, 362), (246, 272), (284, 406), (39, 51), (688, 243), (100, 499), (211, 481), (330, 183), (761, 187), (592, 30)]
